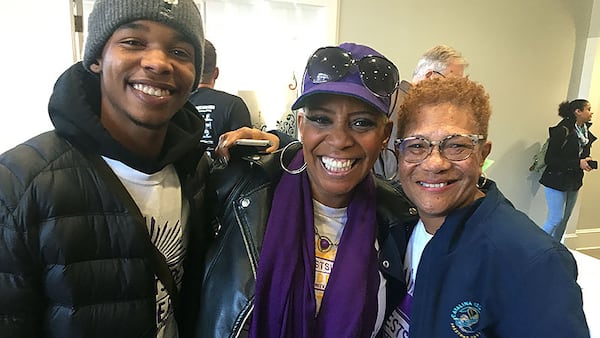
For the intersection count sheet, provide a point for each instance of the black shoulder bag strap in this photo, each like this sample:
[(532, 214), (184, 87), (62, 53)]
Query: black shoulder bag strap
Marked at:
[(158, 262)]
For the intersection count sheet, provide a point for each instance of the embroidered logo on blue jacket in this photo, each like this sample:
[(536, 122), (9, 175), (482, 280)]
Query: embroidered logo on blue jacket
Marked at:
[(465, 317)]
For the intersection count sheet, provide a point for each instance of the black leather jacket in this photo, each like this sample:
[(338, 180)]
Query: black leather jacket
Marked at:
[(241, 206)]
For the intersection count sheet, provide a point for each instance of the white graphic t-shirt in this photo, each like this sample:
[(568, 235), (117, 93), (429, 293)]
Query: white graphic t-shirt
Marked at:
[(159, 198), (398, 324), (330, 222)]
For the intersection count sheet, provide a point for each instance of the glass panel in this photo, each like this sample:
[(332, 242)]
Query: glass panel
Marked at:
[(262, 47)]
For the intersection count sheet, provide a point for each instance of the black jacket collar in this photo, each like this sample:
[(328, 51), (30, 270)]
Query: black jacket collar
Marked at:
[(74, 109)]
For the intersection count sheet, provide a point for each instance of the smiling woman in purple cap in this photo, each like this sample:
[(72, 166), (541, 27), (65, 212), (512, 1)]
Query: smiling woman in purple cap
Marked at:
[(308, 243)]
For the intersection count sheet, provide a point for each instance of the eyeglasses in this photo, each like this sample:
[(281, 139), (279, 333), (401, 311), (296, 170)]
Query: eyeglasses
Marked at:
[(456, 147), (438, 73), (378, 74)]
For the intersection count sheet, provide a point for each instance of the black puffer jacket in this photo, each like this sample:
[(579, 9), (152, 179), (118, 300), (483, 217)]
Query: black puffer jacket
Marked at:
[(73, 261), (244, 192)]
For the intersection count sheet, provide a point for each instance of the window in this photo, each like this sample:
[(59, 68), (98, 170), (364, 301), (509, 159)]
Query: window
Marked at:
[(262, 47)]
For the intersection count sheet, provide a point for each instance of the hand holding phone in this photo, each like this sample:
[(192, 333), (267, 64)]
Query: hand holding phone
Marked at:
[(245, 147), (244, 142), (259, 144), (593, 164)]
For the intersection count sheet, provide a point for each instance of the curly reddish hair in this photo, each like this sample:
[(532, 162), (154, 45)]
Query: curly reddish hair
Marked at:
[(458, 91)]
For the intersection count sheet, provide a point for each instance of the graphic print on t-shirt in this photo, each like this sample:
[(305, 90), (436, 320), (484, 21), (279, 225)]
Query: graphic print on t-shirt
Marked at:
[(398, 323), (165, 211), (329, 223), (323, 266), (206, 111), (168, 239)]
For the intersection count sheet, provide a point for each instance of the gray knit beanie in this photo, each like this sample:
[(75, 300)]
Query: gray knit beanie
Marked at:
[(108, 15)]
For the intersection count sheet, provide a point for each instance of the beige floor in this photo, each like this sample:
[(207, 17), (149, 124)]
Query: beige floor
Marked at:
[(589, 280)]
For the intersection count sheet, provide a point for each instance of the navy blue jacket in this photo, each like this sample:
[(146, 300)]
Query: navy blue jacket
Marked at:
[(490, 271)]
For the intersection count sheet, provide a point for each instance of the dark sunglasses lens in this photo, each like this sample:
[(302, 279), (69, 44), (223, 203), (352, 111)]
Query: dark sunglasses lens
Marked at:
[(328, 64), (379, 75)]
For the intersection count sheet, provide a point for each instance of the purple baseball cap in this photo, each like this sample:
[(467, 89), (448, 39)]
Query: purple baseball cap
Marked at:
[(349, 85)]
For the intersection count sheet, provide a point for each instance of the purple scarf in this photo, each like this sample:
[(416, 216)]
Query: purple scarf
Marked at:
[(284, 304)]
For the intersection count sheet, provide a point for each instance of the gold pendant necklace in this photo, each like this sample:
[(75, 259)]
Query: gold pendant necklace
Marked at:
[(324, 244)]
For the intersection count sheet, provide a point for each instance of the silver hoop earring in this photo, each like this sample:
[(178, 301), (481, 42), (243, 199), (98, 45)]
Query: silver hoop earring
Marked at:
[(290, 171), (482, 179)]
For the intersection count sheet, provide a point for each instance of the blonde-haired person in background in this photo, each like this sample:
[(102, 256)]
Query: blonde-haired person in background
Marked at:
[(440, 60)]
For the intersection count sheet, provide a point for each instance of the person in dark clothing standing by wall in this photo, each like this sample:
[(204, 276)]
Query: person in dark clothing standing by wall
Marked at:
[(568, 155), (222, 111)]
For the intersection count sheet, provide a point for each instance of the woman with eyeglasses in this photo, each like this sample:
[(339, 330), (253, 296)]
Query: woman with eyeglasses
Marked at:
[(476, 266), (308, 243)]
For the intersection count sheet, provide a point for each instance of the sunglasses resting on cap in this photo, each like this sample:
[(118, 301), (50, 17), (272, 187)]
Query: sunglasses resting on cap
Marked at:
[(352, 70)]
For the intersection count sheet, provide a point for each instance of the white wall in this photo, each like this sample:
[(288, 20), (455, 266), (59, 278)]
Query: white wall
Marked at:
[(591, 89), (36, 49), (589, 193), (526, 54)]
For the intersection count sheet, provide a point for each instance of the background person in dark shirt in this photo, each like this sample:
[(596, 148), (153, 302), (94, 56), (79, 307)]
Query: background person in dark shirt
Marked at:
[(222, 111)]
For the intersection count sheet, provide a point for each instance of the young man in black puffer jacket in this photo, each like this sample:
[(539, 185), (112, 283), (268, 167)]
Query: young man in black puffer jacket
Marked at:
[(99, 216)]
